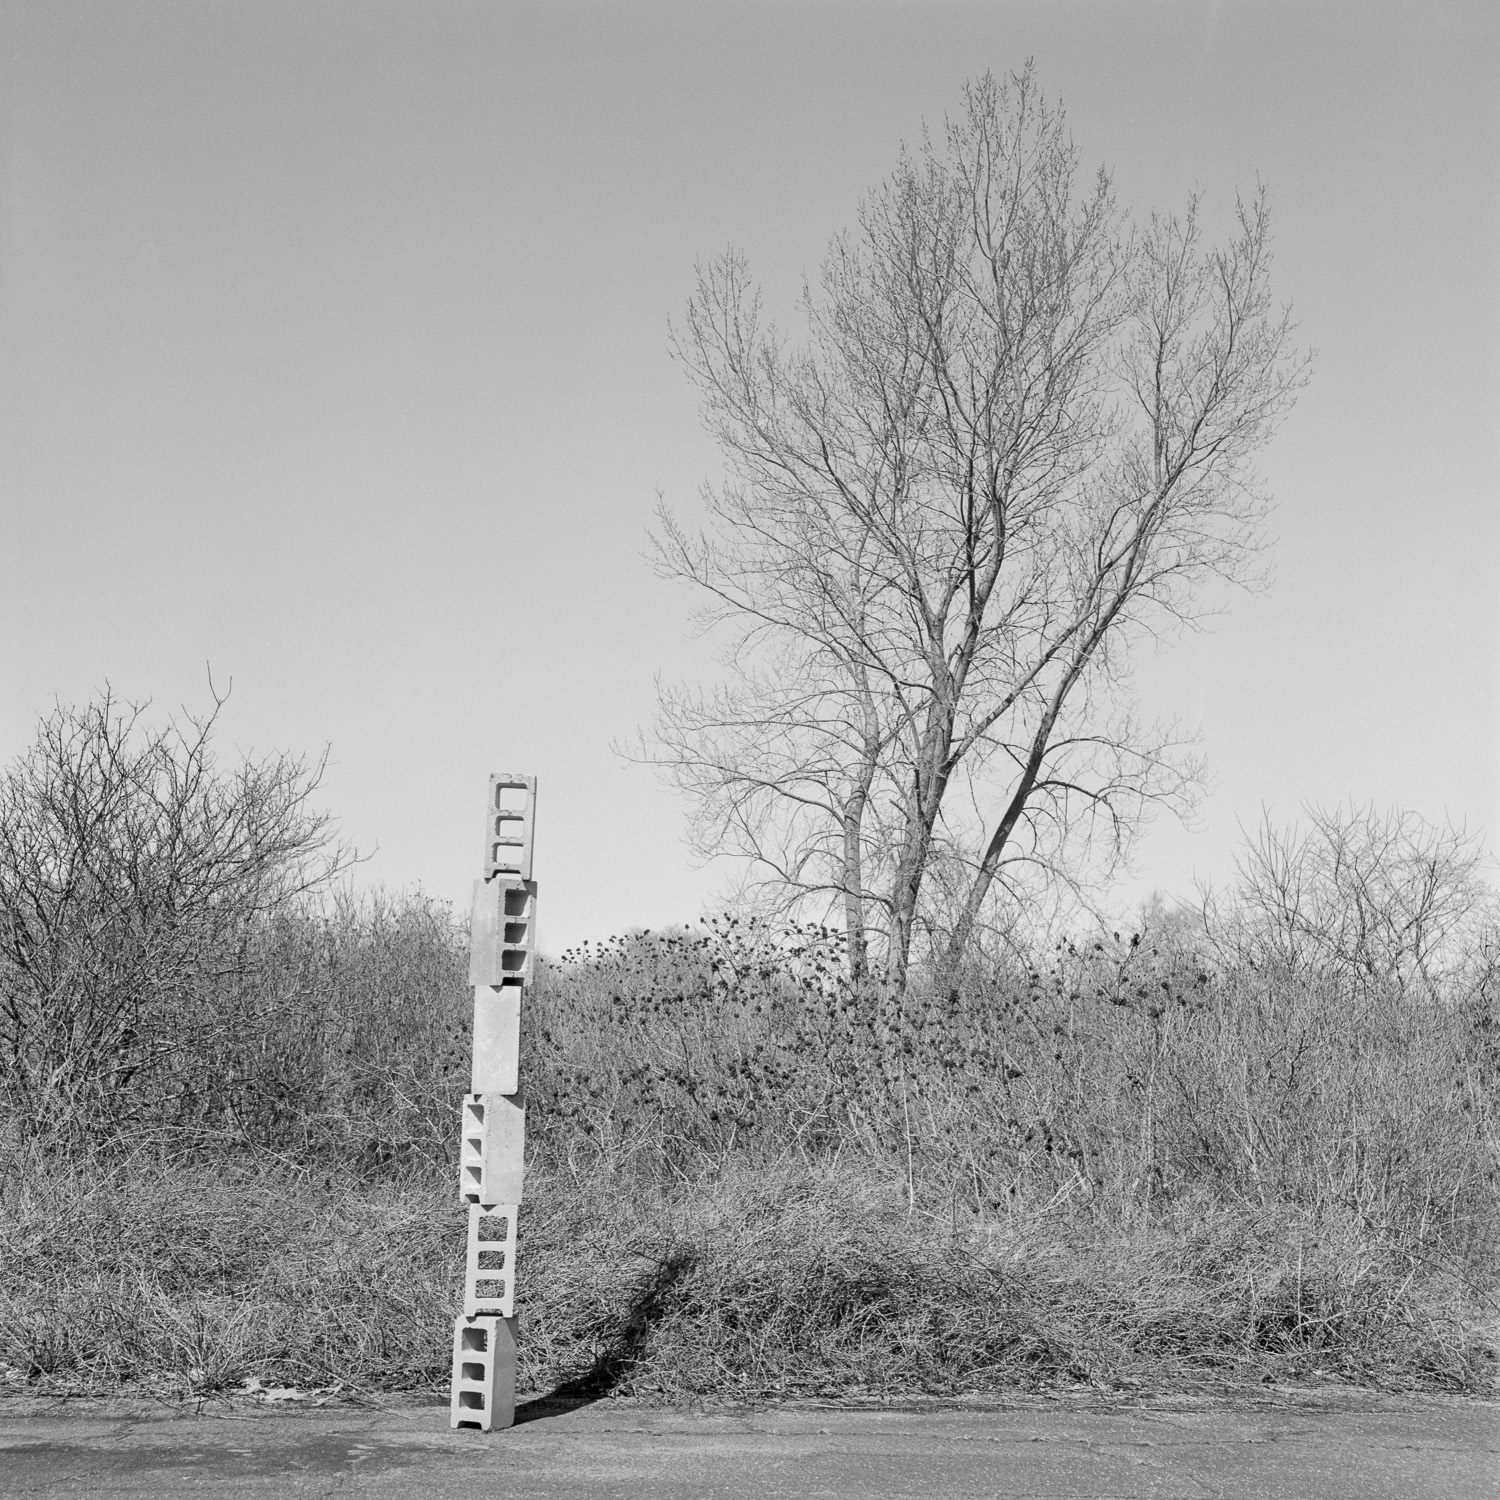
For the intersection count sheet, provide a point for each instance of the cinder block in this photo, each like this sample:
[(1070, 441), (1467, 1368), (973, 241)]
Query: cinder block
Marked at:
[(493, 1148), (502, 931), (510, 818), (497, 1039), (484, 1373), (490, 1271)]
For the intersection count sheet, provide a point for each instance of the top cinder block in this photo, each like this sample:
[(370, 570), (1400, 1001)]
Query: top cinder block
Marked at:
[(509, 822)]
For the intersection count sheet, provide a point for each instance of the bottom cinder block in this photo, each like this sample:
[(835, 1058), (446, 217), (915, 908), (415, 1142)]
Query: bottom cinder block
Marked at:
[(484, 1373)]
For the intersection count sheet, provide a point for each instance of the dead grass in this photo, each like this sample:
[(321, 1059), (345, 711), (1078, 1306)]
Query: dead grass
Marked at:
[(1129, 1163), (764, 1280)]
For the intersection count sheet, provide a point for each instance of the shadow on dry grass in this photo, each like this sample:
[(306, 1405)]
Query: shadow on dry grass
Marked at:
[(1256, 1143), (766, 1280)]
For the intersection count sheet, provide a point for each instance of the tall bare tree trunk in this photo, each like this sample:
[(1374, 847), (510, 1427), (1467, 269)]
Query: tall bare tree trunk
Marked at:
[(1015, 424)]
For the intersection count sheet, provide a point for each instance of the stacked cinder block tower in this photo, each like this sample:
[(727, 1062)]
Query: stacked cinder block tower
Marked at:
[(502, 948)]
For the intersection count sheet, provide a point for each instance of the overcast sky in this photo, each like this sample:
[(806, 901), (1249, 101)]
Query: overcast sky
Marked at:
[(335, 357)]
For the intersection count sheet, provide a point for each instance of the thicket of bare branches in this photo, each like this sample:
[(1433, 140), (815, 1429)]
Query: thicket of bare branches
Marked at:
[(136, 872), (1016, 438), (1243, 1147), (1361, 895)]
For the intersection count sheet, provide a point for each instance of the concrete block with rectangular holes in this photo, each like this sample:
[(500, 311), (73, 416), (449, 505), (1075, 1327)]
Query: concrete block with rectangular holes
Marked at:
[(484, 1373), (490, 1266), (502, 931), (502, 959), (509, 819), (492, 1148)]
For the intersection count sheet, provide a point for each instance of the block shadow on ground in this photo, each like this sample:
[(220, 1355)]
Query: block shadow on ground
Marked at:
[(647, 1305)]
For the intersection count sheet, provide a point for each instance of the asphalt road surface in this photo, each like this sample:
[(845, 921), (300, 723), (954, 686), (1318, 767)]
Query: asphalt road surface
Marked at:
[(1357, 1447)]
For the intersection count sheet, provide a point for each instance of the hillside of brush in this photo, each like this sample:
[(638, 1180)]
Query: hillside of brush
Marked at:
[(1212, 1153)]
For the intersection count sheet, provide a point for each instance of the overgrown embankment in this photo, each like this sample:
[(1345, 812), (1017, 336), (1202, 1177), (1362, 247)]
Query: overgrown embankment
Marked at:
[(1157, 1163)]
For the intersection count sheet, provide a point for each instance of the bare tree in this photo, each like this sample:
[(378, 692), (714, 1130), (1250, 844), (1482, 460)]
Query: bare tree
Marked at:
[(1016, 438), (133, 874), (1370, 896)]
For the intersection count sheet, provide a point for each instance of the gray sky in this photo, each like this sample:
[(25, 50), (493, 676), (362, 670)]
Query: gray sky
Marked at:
[(335, 356)]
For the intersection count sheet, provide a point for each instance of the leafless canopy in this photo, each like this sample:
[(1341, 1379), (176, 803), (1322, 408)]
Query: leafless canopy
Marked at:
[(1017, 434), (134, 872), (1380, 898)]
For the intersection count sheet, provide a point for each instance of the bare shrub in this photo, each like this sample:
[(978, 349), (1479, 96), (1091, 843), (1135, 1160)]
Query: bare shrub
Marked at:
[(1369, 897), (135, 875), (345, 1039), (1116, 1075), (1165, 1157)]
